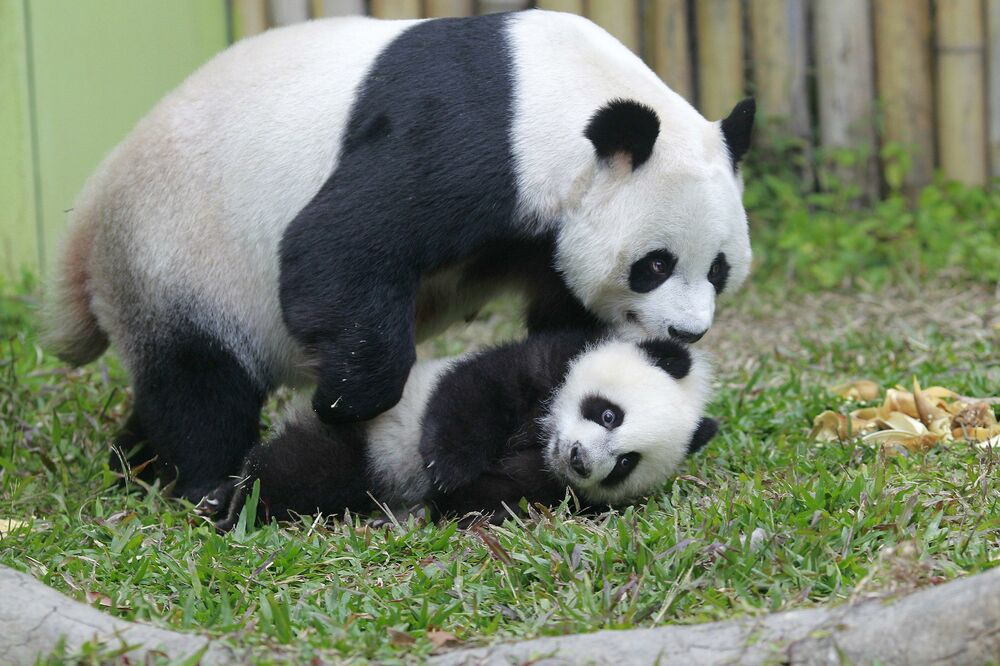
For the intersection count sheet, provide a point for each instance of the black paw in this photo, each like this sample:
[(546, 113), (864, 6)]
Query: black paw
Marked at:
[(448, 471), (341, 402)]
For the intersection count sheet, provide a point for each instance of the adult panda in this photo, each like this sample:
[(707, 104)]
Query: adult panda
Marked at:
[(611, 419), (316, 199)]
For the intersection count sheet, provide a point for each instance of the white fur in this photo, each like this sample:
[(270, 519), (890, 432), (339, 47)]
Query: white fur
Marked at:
[(660, 416), (394, 438)]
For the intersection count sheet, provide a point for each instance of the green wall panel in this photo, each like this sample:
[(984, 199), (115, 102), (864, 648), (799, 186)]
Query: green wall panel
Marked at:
[(18, 235), (97, 67)]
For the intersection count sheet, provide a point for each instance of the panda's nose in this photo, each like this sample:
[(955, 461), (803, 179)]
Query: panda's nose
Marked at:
[(686, 336), (577, 463)]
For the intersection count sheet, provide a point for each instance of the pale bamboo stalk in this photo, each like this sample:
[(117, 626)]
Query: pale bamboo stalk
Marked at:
[(993, 83), (493, 6), (571, 6), (620, 18), (396, 9), (845, 83), (720, 56), (960, 101), (337, 7), (286, 12), (778, 47), (903, 75), (437, 8), (667, 44), (249, 17)]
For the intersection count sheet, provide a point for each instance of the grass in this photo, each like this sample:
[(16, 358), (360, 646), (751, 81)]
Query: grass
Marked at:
[(765, 520)]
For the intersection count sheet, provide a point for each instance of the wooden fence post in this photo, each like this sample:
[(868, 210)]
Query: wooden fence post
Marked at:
[(396, 9), (903, 68), (720, 56), (287, 12), (993, 82), (778, 45), (960, 101), (571, 6), (249, 17), (620, 18), (845, 85), (338, 7), (450, 8), (668, 44)]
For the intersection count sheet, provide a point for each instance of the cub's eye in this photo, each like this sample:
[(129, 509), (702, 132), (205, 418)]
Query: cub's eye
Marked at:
[(658, 266), (602, 411), (626, 465), (626, 460)]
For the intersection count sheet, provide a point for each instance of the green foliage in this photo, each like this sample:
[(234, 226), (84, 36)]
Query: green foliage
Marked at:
[(820, 239)]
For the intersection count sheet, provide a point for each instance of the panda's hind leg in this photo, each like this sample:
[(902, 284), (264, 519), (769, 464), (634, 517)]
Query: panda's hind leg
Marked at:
[(198, 408)]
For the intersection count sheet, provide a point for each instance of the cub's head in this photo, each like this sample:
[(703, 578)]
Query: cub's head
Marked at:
[(657, 228), (625, 418)]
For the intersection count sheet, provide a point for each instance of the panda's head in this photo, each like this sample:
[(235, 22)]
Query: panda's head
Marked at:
[(625, 418), (656, 227)]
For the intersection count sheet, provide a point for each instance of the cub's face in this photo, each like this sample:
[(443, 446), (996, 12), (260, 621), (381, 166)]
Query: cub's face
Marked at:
[(659, 229), (622, 424)]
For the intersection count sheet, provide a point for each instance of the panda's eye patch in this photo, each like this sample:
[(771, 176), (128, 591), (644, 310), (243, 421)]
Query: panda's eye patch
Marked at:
[(627, 462), (602, 412), (651, 271), (718, 273)]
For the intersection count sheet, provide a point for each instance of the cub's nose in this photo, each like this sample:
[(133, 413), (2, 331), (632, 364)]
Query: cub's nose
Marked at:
[(577, 463), (686, 336)]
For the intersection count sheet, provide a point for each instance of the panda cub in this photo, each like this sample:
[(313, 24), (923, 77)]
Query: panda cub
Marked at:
[(613, 420)]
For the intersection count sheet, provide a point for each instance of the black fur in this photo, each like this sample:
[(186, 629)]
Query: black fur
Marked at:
[(624, 126), (643, 276), (491, 403), (718, 274), (672, 357), (627, 462), (308, 467), (737, 128), (197, 407), (703, 434), (425, 179)]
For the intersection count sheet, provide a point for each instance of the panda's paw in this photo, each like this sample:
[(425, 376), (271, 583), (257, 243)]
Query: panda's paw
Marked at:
[(216, 501), (340, 402), (450, 472)]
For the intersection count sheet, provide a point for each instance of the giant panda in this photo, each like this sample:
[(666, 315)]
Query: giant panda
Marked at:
[(315, 200), (611, 419)]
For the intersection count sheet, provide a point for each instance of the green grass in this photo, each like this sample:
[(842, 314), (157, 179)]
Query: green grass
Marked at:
[(764, 520)]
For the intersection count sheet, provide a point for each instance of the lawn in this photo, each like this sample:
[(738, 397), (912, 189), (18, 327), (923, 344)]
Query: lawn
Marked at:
[(763, 520)]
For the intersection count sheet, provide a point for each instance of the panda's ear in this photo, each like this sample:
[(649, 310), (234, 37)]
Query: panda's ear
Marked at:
[(669, 355), (624, 128), (737, 128), (703, 434)]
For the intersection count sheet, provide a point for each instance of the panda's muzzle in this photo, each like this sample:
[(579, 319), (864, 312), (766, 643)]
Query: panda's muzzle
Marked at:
[(577, 462), (686, 336)]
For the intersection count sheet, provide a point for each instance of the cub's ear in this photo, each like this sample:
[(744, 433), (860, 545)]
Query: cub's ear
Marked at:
[(669, 355), (625, 128), (737, 128), (703, 434)]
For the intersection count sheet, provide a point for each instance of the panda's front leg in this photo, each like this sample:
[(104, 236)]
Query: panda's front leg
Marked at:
[(363, 368)]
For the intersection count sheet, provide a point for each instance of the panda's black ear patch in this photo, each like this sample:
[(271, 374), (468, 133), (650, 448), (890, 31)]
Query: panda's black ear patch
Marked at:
[(737, 128), (703, 434), (624, 127), (669, 355)]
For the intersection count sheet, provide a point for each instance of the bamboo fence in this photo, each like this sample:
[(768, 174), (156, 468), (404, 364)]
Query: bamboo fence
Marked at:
[(920, 76)]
